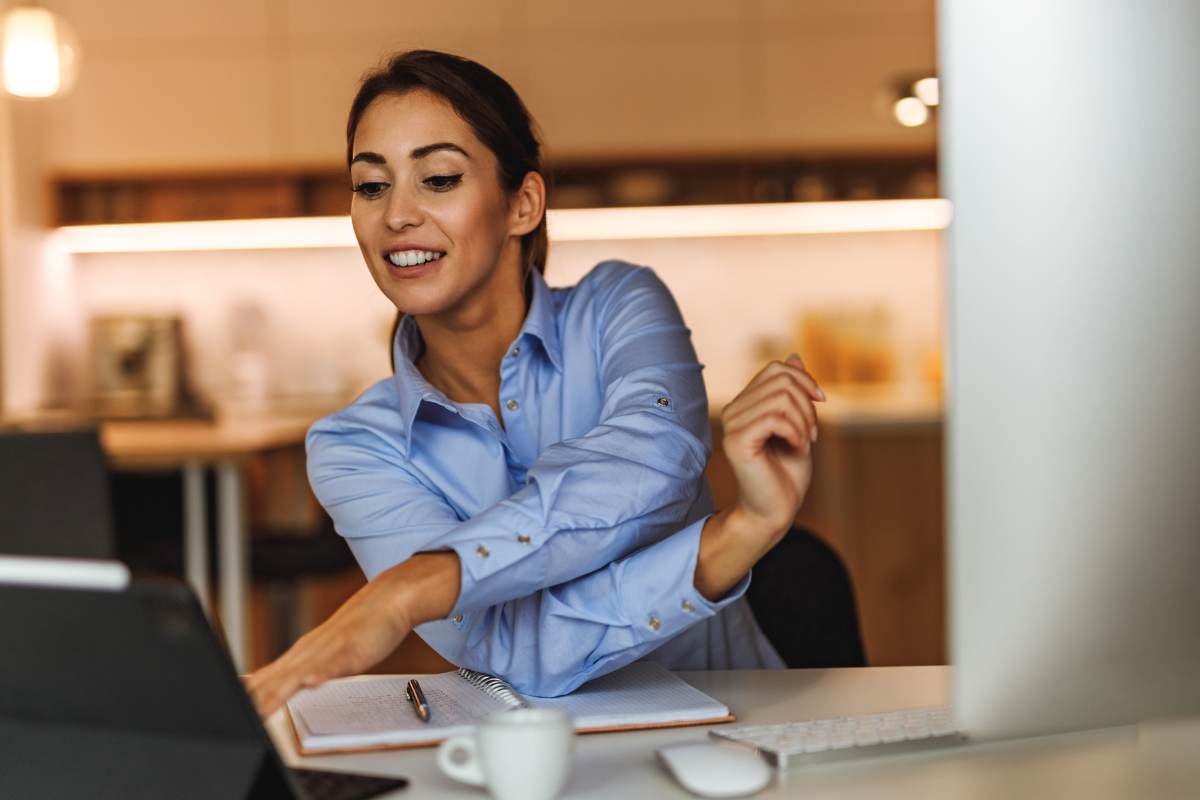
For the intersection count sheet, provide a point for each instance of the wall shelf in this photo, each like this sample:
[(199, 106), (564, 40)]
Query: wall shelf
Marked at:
[(88, 199)]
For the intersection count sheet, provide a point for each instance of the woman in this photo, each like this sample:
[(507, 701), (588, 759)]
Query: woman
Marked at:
[(528, 490)]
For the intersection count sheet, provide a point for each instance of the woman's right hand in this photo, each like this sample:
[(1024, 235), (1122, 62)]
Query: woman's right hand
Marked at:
[(364, 630), (769, 431)]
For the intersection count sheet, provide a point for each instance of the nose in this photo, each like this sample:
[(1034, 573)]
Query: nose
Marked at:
[(403, 210)]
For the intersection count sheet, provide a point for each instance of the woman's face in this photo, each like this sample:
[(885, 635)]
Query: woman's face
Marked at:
[(433, 223)]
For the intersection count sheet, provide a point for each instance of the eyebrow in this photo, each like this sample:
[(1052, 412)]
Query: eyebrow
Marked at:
[(418, 153), (421, 152)]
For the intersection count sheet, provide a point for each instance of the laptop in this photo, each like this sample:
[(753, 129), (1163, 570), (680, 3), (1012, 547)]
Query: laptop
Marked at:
[(112, 689)]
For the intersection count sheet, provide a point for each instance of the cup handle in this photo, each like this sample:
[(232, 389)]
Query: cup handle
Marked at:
[(468, 771)]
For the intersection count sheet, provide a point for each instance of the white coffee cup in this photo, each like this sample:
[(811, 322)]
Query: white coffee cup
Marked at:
[(523, 754)]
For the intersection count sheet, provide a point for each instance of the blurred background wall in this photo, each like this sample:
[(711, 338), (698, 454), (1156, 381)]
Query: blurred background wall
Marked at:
[(269, 81)]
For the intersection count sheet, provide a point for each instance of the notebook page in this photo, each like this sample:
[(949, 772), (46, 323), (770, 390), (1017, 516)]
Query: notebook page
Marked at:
[(374, 710), (642, 693)]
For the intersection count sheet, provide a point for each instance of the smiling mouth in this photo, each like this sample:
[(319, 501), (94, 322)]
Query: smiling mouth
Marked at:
[(411, 258)]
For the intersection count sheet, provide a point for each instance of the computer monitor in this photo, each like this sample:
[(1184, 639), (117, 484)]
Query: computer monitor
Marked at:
[(1070, 150)]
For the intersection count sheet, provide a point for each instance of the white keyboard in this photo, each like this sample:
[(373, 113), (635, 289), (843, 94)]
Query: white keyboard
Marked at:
[(840, 738)]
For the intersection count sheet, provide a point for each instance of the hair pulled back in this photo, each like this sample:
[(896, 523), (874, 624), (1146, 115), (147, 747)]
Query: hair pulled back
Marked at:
[(485, 101)]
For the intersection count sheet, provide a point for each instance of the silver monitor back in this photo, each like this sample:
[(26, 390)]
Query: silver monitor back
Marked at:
[(1071, 154)]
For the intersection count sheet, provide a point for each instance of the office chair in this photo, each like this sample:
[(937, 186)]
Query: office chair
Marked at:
[(54, 494), (801, 595)]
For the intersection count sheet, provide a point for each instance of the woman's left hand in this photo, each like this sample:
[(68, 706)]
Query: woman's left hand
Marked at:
[(364, 631), (770, 428)]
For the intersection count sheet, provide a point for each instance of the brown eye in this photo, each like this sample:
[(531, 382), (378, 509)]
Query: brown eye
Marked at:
[(441, 183), (370, 189)]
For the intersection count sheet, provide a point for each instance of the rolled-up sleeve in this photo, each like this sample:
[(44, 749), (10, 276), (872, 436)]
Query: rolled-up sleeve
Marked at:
[(551, 640), (558, 639)]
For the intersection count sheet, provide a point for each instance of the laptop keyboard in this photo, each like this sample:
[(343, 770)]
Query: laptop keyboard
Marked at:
[(320, 785), (843, 738)]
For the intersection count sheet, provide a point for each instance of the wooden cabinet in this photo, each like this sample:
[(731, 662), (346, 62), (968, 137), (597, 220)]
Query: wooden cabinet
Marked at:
[(174, 197)]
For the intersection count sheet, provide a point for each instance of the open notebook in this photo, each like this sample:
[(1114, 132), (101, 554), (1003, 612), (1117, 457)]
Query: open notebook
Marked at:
[(372, 712)]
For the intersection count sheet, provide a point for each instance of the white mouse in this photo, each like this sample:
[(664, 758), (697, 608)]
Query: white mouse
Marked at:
[(710, 769)]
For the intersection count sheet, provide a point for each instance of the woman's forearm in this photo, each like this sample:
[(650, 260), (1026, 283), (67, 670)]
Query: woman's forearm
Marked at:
[(425, 587), (364, 630), (730, 544)]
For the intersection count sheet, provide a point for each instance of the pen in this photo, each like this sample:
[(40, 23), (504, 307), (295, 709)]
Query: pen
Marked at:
[(417, 698)]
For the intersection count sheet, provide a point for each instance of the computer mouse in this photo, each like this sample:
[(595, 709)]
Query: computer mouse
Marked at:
[(712, 769)]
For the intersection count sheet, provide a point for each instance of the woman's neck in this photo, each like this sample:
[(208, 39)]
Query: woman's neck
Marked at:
[(463, 349)]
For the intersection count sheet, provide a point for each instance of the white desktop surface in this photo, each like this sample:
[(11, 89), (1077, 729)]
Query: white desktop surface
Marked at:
[(1152, 760)]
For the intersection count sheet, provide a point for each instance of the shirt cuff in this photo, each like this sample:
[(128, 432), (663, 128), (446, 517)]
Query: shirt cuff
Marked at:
[(658, 591), (494, 566)]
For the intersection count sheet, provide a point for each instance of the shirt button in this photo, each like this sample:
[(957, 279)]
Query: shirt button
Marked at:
[(482, 551), (512, 405), (523, 538), (458, 619), (687, 606), (654, 623), (663, 402), (516, 351)]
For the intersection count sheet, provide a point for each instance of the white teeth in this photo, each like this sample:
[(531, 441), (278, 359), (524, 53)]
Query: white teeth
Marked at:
[(411, 258)]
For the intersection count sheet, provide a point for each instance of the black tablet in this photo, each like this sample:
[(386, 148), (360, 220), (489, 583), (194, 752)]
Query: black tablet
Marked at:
[(129, 694)]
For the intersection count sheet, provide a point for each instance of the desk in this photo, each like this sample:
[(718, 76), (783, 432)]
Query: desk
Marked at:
[(191, 446), (1153, 760)]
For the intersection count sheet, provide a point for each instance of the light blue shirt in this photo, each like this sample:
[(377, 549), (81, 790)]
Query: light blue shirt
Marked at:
[(578, 522)]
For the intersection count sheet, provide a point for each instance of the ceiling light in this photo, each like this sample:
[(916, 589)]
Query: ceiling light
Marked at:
[(39, 54), (910, 112), (926, 91)]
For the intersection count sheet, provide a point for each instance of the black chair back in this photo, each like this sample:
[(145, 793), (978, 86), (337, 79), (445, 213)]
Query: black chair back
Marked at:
[(802, 596), (54, 495)]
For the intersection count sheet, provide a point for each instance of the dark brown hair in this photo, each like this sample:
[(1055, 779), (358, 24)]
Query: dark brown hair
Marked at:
[(485, 101)]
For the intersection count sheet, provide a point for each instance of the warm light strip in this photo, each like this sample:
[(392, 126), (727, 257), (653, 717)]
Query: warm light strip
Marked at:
[(232, 234), (565, 225), (746, 219)]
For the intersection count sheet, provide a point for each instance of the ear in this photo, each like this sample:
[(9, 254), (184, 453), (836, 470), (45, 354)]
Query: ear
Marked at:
[(528, 205)]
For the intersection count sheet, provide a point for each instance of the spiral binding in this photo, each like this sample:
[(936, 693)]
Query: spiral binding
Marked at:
[(493, 687)]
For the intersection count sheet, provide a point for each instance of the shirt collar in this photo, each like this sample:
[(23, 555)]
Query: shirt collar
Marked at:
[(411, 386), (541, 321)]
